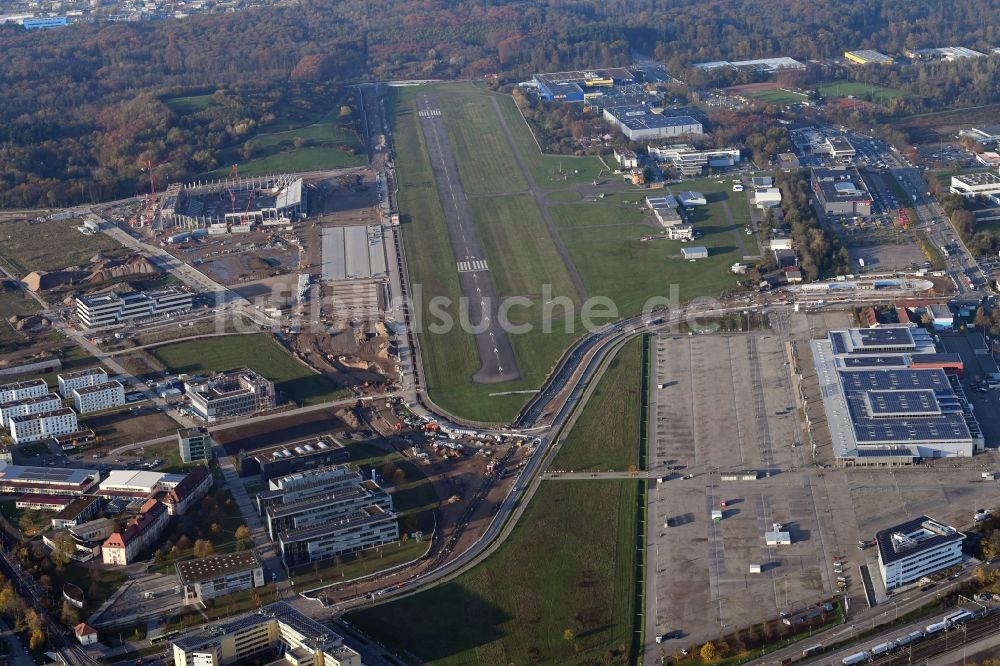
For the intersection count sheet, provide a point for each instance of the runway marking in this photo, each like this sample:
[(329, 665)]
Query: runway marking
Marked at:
[(427, 113), (472, 266)]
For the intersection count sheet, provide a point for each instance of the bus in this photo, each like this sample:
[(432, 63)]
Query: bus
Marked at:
[(164, 636)]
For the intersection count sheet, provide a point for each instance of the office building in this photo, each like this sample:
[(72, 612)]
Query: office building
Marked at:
[(639, 123), (983, 184), (888, 401), (841, 191), (33, 388), (216, 576), (680, 232), (42, 425), (141, 532), (112, 309), (276, 633), (230, 394), (99, 397), (303, 485), (839, 147), (366, 528), (284, 459), (867, 57), (916, 548), (194, 444), (70, 381), (326, 507), (626, 158), (691, 162), (24, 406)]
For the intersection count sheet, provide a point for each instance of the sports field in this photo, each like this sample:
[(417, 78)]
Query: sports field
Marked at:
[(859, 90), (606, 435), (261, 353), (604, 240), (562, 568), (780, 96)]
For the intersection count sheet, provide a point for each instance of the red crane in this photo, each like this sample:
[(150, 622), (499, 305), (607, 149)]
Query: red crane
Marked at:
[(150, 210)]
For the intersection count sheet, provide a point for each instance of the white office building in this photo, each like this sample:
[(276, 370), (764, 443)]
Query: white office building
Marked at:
[(276, 633), (33, 388), (44, 403), (916, 548), (680, 232), (210, 577), (112, 309), (99, 397), (691, 162), (69, 382), (983, 184), (33, 427)]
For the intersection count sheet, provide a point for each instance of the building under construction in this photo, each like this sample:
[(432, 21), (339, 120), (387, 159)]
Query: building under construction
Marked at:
[(233, 205)]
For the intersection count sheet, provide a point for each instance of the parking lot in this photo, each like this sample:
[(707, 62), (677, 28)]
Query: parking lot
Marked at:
[(727, 403)]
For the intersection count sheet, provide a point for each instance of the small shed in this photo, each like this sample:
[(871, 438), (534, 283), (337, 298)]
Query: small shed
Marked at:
[(778, 538), (696, 252)]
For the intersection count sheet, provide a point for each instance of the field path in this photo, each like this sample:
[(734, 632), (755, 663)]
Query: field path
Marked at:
[(735, 229), (543, 205)]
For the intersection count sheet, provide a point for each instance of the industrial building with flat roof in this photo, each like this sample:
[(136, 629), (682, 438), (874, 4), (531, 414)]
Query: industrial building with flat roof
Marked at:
[(947, 53), (284, 459), (983, 184), (20, 480), (229, 394), (137, 485), (210, 577), (766, 65), (841, 191), (112, 309), (580, 85), (887, 403), (353, 253), (640, 123), (867, 57), (276, 633), (919, 547)]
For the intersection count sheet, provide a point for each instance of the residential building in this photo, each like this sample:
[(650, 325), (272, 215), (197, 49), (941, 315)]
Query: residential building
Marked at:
[(841, 191), (694, 252), (85, 633), (77, 512), (680, 232), (284, 459), (121, 548), (99, 397), (70, 381), (366, 528), (276, 633), (185, 494), (230, 394), (42, 425), (111, 309), (33, 388), (867, 57), (767, 197), (640, 123), (887, 403), (194, 444), (24, 406), (691, 162), (982, 184), (909, 551), (210, 577)]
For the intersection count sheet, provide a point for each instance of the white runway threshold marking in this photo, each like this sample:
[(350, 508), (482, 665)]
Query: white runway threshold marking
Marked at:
[(427, 113), (472, 266)]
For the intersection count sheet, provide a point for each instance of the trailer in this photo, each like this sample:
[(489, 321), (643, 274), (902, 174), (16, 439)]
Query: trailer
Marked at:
[(856, 658)]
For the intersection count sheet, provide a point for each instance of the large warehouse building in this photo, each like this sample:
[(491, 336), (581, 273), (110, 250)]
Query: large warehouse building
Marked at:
[(884, 405), (841, 191), (581, 85), (639, 123), (867, 57), (984, 184)]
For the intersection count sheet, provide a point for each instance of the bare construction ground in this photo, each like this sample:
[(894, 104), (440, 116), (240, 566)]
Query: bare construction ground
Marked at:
[(729, 403)]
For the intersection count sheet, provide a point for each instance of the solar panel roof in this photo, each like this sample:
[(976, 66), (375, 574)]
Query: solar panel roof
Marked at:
[(920, 402), (874, 361), (883, 337)]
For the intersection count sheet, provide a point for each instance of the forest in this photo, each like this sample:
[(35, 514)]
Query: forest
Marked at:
[(84, 106)]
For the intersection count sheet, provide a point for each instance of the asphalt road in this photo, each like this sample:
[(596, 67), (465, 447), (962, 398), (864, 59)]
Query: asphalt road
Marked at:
[(496, 355)]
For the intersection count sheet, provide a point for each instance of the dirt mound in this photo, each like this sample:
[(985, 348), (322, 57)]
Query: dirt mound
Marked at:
[(29, 324), (98, 270)]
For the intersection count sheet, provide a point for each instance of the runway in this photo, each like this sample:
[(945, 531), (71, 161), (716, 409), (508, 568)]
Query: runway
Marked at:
[(496, 355)]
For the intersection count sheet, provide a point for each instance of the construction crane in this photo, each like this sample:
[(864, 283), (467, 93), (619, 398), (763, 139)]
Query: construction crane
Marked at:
[(150, 210)]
